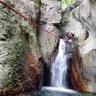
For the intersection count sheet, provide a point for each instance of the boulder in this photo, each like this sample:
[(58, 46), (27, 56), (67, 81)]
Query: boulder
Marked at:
[(49, 18), (50, 11), (48, 42)]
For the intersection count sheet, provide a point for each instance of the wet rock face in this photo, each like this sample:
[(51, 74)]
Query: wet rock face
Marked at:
[(81, 20), (75, 78), (50, 15), (16, 35)]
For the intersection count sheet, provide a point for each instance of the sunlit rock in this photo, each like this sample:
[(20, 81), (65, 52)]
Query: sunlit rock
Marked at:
[(82, 20), (48, 42), (50, 19)]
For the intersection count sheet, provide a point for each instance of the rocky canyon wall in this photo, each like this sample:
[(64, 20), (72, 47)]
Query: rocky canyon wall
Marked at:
[(80, 17), (19, 51), (23, 46)]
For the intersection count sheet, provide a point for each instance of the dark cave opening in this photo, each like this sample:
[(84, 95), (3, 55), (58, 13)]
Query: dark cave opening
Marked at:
[(87, 35), (46, 75)]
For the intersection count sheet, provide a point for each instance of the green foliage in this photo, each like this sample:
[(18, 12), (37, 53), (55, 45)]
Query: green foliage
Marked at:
[(36, 2), (64, 3)]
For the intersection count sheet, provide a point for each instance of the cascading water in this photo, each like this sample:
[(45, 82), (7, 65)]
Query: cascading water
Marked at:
[(59, 67)]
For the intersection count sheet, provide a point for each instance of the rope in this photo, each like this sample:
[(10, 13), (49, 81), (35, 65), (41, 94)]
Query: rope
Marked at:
[(27, 19)]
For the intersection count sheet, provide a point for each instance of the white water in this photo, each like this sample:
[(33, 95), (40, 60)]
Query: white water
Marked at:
[(59, 68), (59, 89)]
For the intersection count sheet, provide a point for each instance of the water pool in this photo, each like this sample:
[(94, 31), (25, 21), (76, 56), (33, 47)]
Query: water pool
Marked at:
[(57, 93)]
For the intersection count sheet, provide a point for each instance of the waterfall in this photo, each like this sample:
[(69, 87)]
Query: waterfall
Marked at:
[(59, 70), (59, 67)]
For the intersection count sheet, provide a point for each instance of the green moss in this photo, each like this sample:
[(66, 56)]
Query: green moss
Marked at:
[(15, 65), (65, 3), (36, 3)]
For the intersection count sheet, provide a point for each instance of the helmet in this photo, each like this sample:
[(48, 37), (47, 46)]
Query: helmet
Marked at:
[(72, 32)]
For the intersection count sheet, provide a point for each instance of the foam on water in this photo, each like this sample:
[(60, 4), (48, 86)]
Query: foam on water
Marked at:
[(59, 89)]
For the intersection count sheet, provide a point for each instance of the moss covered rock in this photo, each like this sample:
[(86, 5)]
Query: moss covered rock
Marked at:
[(17, 35)]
